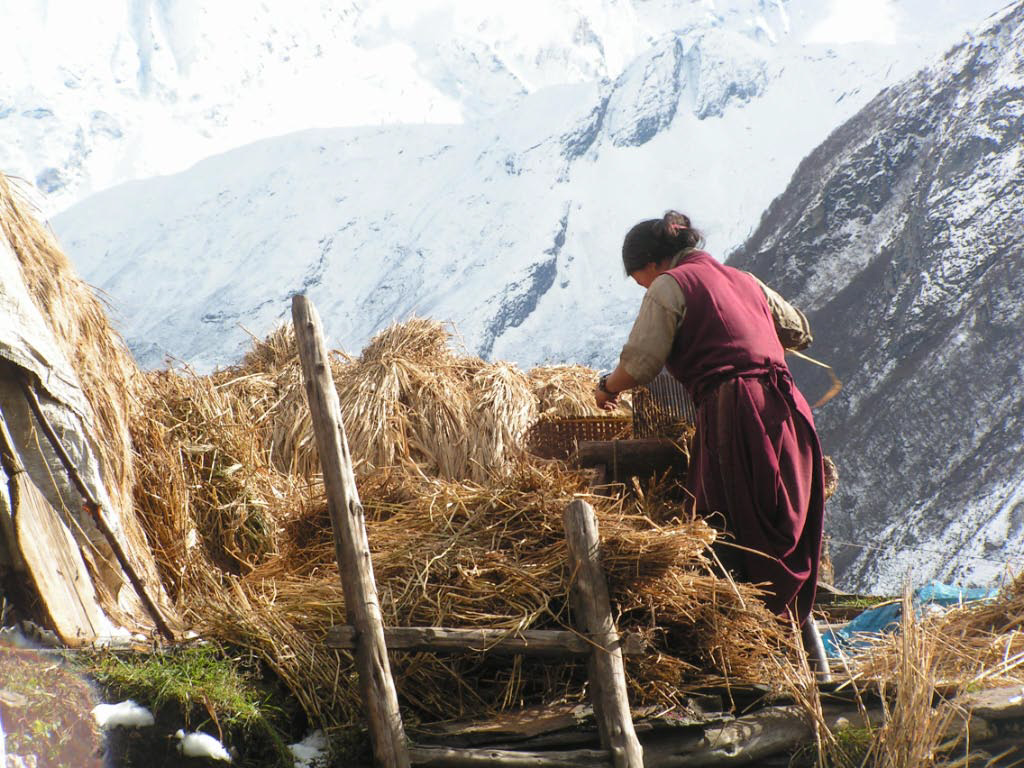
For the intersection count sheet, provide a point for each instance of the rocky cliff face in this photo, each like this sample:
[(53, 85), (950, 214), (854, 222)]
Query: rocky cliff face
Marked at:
[(903, 237)]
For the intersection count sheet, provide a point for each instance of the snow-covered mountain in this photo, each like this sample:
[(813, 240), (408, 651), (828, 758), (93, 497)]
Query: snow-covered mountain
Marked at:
[(98, 93), (904, 235), (493, 185), (508, 222)]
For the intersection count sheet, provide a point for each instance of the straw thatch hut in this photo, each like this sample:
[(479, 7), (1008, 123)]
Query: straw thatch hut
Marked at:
[(57, 347)]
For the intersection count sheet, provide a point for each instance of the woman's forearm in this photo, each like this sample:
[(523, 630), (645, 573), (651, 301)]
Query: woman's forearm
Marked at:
[(620, 380)]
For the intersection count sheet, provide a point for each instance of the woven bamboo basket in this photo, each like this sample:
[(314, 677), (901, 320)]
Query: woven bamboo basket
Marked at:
[(558, 438)]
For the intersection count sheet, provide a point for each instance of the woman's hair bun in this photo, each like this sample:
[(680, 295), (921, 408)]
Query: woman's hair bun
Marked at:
[(672, 225), (658, 240)]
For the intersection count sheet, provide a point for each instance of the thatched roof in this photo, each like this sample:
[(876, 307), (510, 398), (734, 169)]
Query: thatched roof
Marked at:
[(57, 333)]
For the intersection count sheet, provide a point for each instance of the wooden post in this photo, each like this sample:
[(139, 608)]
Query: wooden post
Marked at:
[(594, 620), (353, 550)]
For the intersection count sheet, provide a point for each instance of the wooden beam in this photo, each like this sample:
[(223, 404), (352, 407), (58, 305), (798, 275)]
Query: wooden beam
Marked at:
[(446, 757), (744, 741), (625, 458), (594, 619), (534, 642), (351, 545)]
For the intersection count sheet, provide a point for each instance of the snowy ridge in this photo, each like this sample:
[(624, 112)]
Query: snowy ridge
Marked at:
[(98, 94)]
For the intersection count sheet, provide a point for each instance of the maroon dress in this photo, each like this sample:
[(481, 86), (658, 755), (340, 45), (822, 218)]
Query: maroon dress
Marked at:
[(756, 463)]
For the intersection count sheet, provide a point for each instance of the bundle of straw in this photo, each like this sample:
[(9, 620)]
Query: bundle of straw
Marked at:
[(567, 391), (408, 400)]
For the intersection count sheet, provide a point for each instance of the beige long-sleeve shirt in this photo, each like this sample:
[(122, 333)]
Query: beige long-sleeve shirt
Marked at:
[(661, 315)]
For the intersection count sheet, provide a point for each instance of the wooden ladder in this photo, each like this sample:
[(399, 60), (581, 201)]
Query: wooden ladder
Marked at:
[(596, 636)]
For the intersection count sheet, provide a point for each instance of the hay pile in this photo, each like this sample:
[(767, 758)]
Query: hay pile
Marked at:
[(974, 646), (79, 323), (408, 402), (466, 529)]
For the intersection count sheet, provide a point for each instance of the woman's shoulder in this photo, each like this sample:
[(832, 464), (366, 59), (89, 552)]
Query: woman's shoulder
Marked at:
[(666, 290)]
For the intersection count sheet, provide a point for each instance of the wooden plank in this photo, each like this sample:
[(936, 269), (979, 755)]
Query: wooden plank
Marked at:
[(93, 507), (376, 684), (570, 723), (1003, 703), (539, 642), (594, 619), (447, 757), (744, 741), (625, 458), (50, 554)]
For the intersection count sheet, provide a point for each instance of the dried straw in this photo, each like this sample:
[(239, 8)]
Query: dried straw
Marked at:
[(978, 644), (105, 368), (484, 552), (567, 391), (407, 401)]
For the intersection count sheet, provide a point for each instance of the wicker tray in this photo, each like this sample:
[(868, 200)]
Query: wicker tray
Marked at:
[(557, 438)]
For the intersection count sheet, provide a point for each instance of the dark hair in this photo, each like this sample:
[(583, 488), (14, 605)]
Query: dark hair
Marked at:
[(657, 240)]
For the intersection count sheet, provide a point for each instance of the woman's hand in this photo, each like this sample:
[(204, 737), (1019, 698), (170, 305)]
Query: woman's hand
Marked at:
[(608, 389), (605, 401)]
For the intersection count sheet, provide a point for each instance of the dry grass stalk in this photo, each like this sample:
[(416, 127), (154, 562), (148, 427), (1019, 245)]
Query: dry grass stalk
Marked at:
[(205, 481), (406, 401), (105, 368), (972, 646), (109, 379), (978, 644), (567, 391), (913, 730)]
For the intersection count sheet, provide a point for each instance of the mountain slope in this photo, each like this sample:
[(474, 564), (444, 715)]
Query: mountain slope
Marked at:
[(903, 236), (508, 225)]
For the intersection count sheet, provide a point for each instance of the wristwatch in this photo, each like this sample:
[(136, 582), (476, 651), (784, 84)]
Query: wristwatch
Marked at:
[(602, 384)]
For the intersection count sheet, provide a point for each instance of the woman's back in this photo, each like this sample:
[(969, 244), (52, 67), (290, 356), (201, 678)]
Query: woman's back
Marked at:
[(727, 328)]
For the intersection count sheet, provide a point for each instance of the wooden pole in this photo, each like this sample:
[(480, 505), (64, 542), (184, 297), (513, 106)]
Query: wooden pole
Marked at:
[(594, 620), (351, 545)]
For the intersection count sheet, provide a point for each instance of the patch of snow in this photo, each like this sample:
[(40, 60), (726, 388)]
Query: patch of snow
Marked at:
[(126, 713), (311, 752), (199, 744)]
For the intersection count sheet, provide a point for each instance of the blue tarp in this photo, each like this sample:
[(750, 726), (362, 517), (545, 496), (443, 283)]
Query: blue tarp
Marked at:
[(886, 618)]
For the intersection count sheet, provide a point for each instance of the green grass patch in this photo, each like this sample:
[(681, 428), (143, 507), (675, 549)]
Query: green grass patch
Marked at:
[(852, 746), (849, 750), (196, 679), (208, 687)]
